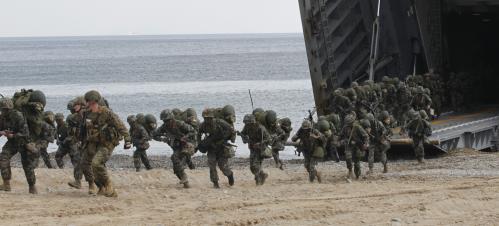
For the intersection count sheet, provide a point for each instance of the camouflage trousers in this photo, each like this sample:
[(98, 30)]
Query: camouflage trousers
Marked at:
[(93, 163), (275, 155), (140, 156), (418, 147), (353, 155), (256, 164), (378, 149), (46, 157), (217, 157), (29, 161), (179, 161), (310, 164), (74, 155)]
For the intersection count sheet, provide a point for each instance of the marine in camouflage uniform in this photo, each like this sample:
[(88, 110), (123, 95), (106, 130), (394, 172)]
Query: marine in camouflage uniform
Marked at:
[(285, 124), (419, 130), (141, 135), (379, 140), (68, 144), (258, 139), (73, 143), (278, 137), (355, 139), (310, 139), (191, 118), (421, 100), (341, 104), (181, 137), (48, 136), (217, 133), (14, 126), (326, 126), (102, 132)]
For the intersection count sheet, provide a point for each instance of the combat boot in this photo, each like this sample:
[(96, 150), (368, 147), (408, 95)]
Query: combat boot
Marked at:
[(32, 189), (231, 179), (263, 178), (421, 160), (357, 173), (311, 177), (137, 169), (186, 185), (215, 185), (5, 186), (319, 178), (191, 165), (92, 190), (101, 191), (350, 174), (109, 190), (75, 184), (385, 168)]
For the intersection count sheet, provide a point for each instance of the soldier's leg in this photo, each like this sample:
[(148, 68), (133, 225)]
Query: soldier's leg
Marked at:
[(223, 164), (46, 157), (145, 159), (255, 166), (102, 178), (59, 155), (179, 166), (313, 167), (29, 161), (136, 159), (8, 151), (190, 163), (74, 155), (419, 149), (212, 163), (348, 160), (382, 149), (372, 151), (357, 156), (87, 155)]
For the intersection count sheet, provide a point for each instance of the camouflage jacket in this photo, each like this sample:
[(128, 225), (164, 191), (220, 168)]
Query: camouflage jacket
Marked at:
[(175, 135), (49, 132), (218, 133), (257, 137), (308, 143), (354, 135), (419, 128), (104, 127), (139, 135), (15, 123)]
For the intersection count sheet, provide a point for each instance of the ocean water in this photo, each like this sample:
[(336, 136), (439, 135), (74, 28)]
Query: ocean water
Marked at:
[(146, 74)]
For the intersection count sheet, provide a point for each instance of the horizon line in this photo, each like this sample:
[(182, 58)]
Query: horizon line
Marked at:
[(142, 35)]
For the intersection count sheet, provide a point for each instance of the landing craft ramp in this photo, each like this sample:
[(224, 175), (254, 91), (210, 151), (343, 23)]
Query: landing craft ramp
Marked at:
[(477, 130)]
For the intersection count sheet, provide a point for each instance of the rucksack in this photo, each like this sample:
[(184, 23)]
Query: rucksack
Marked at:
[(22, 102)]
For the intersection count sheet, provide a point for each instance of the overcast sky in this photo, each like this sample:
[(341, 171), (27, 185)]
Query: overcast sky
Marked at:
[(146, 17)]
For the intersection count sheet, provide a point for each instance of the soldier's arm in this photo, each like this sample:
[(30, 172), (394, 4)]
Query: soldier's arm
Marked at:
[(296, 137), (21, 129), (244, 135), (187, 130), (120, 126), (266, 139), (228, 130)]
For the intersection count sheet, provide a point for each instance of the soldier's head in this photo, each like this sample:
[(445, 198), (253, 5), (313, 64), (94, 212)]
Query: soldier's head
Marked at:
[(140, 119), (176, 112), (38, 96), (49, 117), (338, 92), (191, 115), (370, 117), (229, 113), (93, 98), (78, 104), (413, 115), (258, 111), (59, 118), (151, 123), (131, 119), (285, 124), (420, 90), (323, 125), (271, 118), (350, 119), (366, 125), (306, 125), (208, 115), (168, 117), (355, 85), (249, 120), (6, 104), (385, 117)]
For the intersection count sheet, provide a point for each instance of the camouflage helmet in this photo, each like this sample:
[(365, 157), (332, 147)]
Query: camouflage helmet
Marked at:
[(323, 125), (208, 113), (349, 119), (190, 112), (270, 117), (59, 116), (413, 114), (258, 111), (49, 116), (70, 105), (131, 119), (79, 101), (384, 115), (420, 89), (228, 110), (176, 112), (92, 95), (385, 79), (365, 123), (140, 118), (6, 103), (338, 92), (355, 84), (423, 114), (166, 115), (306, 124), (286, 122), (370, 117), (249, 119), (38, 97), (150, 119)]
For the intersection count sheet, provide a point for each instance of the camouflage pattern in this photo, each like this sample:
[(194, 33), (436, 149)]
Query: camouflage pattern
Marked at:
[(419, 129), (68, 144), (309, 140), (355, 139), (48, 136), (217, 133), (258, 139), (140, 140)]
